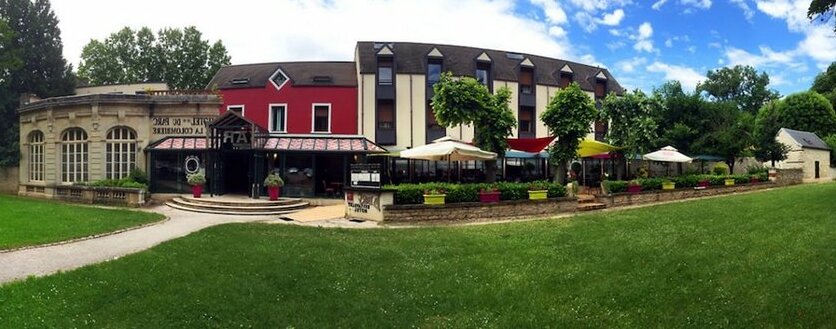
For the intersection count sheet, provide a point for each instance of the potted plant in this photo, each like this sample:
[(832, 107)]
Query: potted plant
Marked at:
[(729, 181), (196, 180), (703, 184), (538, 191), (274, 185), (489, 194), (754, 179), (668, 185), (633, 186), (434, 196)]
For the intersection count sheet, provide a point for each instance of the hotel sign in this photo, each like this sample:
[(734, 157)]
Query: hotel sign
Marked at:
[(169, 126), (365, 175)]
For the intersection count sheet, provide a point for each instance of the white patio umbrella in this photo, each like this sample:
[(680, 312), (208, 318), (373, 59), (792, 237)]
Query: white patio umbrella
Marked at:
[(667, 154), (447, 149)]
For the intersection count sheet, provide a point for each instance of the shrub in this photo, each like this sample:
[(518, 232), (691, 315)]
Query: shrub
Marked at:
[(138, 176), (196, 179), (651, 183), (756, 169), (615, 186), (414, 193), (720, 168), (273, 180), (686, 181), (512, 191)]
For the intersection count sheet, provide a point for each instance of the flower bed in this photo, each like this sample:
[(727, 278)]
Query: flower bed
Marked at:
[(458, 193), (687, 181)]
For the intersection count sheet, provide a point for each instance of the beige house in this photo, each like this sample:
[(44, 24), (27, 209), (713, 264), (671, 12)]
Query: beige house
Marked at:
[(807, 152), (103, 135)]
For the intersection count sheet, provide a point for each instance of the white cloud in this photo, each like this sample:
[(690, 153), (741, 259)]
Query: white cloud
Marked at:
[(557, 31), (714, 45), (615, 32), (554, 12), (701, 4), (819, 41), (685, 75), (692, 49), (596, 5), (590, 60), (630, 65), (747, 12), (658, 4), (669, 43), (331, 28), (643, 41), (586, 21), (615, 45), (613, 19)]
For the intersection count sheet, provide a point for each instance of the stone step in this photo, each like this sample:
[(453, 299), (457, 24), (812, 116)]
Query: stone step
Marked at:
[(591, 206), (241, 202), (232, 212), (242, 207)]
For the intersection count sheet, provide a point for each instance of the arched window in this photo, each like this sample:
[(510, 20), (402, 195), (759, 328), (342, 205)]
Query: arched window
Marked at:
[(121, 152), (36, 156), (74, 155)]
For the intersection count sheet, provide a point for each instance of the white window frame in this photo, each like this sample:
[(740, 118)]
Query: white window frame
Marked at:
[(243, 108), (278, 87), (36, 156), (313, 118), (270, 117), (74, 154), (121, 151)]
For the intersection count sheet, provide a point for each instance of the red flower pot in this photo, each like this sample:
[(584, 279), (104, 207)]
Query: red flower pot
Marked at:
[(197, 190), (274, 192), (634, 188), (753, 180), (703, 184), (488, 197)]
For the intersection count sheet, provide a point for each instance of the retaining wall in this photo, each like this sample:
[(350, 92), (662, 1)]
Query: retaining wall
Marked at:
[(474, 211), (9, 177)]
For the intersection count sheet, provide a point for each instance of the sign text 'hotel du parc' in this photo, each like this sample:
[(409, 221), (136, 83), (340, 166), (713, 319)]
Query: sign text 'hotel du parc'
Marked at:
[(180, 125)]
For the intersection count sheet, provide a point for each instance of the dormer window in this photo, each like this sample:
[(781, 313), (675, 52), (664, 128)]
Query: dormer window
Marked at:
[(526, 80), (278, 79), (483, 73), (384, 70), (565, 79), (240, 81), (433, 71), (600, 88)]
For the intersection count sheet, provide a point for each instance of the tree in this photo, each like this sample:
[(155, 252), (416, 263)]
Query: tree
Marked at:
[(466, 101), (632, 121), (33, 35), (681, 118), (741, 85), (767, 148), (825, 84), (823, 10), (807, 111), (731, 135), (179, 57), (569, 117)]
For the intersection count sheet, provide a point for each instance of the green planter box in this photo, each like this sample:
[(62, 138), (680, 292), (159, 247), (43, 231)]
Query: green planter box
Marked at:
[(729, 181), (434, 199), (538, 195), (668, 185)]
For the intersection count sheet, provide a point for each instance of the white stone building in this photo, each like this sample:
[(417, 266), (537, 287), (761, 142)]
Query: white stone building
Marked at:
[(808, 152)]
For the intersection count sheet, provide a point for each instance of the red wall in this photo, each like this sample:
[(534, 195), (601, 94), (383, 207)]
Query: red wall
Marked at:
[(299, 102)]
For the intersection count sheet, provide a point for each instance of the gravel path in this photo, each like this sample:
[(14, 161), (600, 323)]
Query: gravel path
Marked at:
[(42, 261)]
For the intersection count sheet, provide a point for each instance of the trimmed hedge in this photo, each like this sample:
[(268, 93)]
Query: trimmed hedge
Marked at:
[(687, 181), (456, 193)]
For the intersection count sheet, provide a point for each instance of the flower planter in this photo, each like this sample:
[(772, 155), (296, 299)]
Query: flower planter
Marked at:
[(488, 197), (274, 192), (538, 195), (634, 188), (729, 181), (753, 180), (434, 199), (703, 184), (668, 185), (197, 190)]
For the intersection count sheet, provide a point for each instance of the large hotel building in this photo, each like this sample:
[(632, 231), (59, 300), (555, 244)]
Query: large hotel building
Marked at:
[(307, 121)]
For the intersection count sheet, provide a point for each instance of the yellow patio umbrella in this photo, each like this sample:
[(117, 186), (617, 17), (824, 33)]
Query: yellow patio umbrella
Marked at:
[(589, 147)]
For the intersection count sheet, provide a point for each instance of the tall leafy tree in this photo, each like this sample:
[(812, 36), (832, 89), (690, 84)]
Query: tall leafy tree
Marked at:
[(681, 118), (741, 85), (180, 57), (823, 10), (731, 135), (825, 84), (568, 116), (632, 121), (807, 111), (767, 124), (466, 101), (32, 34)]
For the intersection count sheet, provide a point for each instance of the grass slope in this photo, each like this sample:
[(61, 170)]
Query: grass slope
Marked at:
[(757, 260), (26, 222)]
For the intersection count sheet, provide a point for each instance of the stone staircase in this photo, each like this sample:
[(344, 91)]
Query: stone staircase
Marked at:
[(587, 202), (239, 206)]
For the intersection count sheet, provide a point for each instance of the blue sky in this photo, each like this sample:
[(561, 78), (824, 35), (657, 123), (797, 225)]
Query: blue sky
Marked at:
[(643, 43)]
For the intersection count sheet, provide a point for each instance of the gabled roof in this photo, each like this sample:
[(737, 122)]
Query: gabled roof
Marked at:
[(341, 74), (411, 58), (806, 139)]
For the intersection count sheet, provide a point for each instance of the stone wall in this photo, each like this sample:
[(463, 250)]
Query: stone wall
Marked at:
[(790, 176), (120, 196), (475, 211), (628, 199), (8, 180)]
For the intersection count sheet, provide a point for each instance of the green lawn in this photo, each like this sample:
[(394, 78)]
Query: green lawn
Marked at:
[(758, 260), (26, 222)]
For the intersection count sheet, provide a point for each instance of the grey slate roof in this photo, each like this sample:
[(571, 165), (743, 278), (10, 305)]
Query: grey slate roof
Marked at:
[(411, 58), (806, 139), (300, 74)]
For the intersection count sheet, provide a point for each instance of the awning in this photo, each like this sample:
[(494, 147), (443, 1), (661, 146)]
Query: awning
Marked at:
[(175, 143), (354, 144), (517, 154), (667, 154), (447, 149), (530, 145), (589, 147)]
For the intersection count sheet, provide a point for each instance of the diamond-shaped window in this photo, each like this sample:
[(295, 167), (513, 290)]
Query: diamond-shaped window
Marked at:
[(279, 78)]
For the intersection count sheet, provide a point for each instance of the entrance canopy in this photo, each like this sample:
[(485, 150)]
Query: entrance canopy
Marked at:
[(667, 154), (447, 148), (590, 147), (529, 145), (318, 143)]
